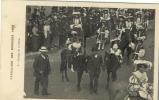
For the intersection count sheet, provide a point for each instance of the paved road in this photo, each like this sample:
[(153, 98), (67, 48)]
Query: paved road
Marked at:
[(67, 90)]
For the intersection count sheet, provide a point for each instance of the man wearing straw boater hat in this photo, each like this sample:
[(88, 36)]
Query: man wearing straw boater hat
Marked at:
[(42, 69)]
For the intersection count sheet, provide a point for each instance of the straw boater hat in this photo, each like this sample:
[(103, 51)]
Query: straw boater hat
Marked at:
[(43, 49), (76, 14)]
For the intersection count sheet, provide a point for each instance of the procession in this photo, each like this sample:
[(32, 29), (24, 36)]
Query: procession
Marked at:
[(73, 52)]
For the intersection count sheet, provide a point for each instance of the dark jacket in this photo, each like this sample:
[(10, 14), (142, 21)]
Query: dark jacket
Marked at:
[(79, 63), (124, 40), (94, 64), (41, 64), (64, 59)]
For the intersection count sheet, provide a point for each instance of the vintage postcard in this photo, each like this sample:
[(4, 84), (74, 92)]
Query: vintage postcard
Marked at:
[(79, 50)]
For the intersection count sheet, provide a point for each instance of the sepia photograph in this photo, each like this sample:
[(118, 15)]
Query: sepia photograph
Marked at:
[(100, 53)]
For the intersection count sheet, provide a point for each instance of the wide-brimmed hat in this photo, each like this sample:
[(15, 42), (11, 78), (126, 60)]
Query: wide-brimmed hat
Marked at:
[(43, 49), (143, 63)]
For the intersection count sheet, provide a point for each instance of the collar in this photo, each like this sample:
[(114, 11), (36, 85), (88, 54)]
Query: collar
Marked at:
[(43, 56)]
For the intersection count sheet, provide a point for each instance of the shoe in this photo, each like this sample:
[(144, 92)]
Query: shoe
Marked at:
[(67, 80), (95, 92), (91, 92), (45, 93), (78, 89), (36, 93)]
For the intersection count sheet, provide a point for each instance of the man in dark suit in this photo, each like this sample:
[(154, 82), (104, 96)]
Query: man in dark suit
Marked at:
[(65, 53), (94, 65), (42, 69), (79, 65)]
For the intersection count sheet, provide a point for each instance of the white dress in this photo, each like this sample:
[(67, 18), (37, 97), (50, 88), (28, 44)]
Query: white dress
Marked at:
[(139, 81)]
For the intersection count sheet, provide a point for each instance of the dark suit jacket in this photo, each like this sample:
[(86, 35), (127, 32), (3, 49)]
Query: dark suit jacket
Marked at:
[(64, 59), (124, 40), (41, 64), (94, 64), (79, 63)]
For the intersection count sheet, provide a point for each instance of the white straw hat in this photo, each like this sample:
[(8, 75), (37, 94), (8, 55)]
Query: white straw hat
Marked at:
[(43, 49)]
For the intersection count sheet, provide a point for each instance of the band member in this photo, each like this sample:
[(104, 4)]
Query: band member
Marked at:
[(94, 65), (42, 69), (102, 36)]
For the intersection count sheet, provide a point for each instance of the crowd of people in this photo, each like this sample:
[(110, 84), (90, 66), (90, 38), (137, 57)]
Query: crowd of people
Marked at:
[(123, 29), (42, 27)]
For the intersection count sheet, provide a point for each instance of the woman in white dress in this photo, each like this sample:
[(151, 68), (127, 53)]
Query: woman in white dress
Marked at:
[(138, 82)]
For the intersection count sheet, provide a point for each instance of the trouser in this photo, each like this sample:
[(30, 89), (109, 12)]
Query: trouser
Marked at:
[(79, 77), (94, 81), (114, 76), (64, 75), (43, 81)]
